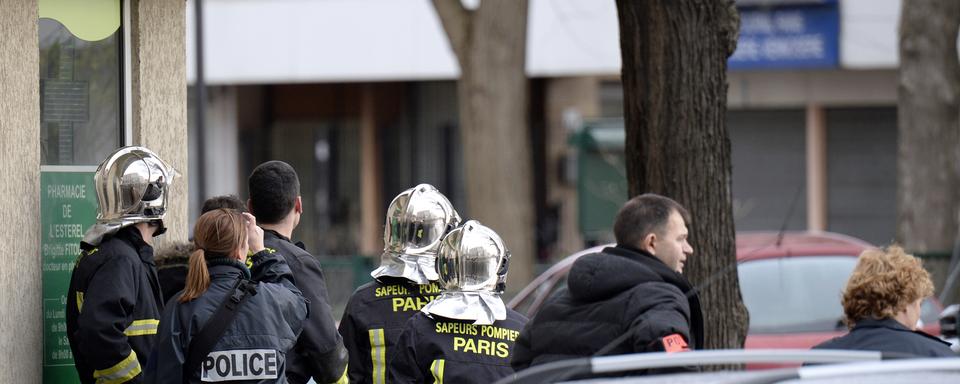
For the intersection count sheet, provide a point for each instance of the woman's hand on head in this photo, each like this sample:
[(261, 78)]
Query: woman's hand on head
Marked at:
[(254, 233)]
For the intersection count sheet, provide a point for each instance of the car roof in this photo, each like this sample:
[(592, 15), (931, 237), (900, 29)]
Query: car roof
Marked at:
[(846, 365), (752, 245)]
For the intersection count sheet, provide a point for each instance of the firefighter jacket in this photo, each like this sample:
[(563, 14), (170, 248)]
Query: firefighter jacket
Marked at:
[(440, 350), (254, 346), (889, 336), (371, 324), (113, 308), (620, 300), (319, 352)]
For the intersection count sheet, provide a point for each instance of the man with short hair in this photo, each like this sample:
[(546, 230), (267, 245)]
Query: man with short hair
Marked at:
[(625, 299), (275, 201), (222, 201)]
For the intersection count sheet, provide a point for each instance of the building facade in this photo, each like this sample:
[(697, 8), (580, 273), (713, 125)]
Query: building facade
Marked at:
[(812, 91), (111, 73)]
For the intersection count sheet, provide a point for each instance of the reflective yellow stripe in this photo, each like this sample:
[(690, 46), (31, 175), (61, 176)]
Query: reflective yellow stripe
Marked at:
[(437, 370), (125, 370), (343, 378), (79, 301), (142, 327), (378, 351)]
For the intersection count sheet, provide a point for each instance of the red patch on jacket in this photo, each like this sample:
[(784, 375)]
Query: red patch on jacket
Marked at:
[(674, 343)]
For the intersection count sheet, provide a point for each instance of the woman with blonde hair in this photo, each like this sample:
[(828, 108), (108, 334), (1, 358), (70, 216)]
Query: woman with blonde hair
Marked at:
[(230, 323), (881, 305)]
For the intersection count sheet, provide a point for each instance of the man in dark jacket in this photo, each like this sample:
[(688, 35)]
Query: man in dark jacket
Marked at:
[(626, 299), (275, 202), (114, 300)]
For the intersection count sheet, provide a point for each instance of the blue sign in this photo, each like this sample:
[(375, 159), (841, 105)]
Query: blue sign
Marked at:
[(788, 37)]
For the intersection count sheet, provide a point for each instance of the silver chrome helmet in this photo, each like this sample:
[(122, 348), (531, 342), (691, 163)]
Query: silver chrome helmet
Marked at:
[(472, 258), (132, 185), (417, 219)]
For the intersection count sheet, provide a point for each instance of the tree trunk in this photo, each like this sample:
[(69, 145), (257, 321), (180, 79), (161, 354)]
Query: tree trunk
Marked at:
[(675, 101), (928, 166), (490, 45)]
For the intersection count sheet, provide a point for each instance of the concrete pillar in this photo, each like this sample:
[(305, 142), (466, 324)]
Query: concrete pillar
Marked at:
[(566, 95), (816, 168), (371, 218), (159, 95), (20, 289)]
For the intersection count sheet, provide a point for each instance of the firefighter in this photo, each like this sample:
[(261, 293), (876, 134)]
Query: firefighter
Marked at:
[(465, 335), (253, 340), (275, 201), (114, 300), (416, 221)]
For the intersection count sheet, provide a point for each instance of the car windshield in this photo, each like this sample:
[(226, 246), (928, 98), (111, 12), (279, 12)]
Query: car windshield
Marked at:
[(795, 294)]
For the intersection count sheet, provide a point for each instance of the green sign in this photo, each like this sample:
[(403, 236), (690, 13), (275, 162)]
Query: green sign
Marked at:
[(68, 206), (601, 176)]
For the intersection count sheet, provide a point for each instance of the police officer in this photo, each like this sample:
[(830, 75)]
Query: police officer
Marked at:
[(416, 221), (114, 300), (254, 343), (465, 335), (275, 201), (172, 259)]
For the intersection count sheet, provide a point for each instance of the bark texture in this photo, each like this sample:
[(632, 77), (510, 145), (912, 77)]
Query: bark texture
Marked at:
[(675, 101), (928, 114), (490, 45)]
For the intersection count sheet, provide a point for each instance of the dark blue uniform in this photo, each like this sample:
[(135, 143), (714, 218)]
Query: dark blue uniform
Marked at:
[(319, 351), (888, 335), (438, 350), (373, 320), (253, 349), (113, 308)]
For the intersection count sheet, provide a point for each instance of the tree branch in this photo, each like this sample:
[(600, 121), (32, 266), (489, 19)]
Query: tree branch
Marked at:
[(456, 21)]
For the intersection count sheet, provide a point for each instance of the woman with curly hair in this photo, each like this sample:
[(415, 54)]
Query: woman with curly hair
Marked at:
[(881, 305)]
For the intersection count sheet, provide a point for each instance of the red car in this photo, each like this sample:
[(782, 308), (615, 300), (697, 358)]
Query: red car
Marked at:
[(791, 287)]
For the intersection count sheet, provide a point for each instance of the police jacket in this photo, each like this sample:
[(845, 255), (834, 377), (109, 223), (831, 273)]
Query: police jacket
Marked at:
[(888, 335), (373, 320), (254, 346), (440, 350), (113, 308), (617, 292), (319, 352)]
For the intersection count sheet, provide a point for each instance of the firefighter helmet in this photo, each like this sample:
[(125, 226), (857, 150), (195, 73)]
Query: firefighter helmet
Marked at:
[(417, 219), (133, 185), (472, 258)]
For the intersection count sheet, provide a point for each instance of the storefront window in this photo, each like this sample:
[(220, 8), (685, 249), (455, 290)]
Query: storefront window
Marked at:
[(81, 115), (81, 99)]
